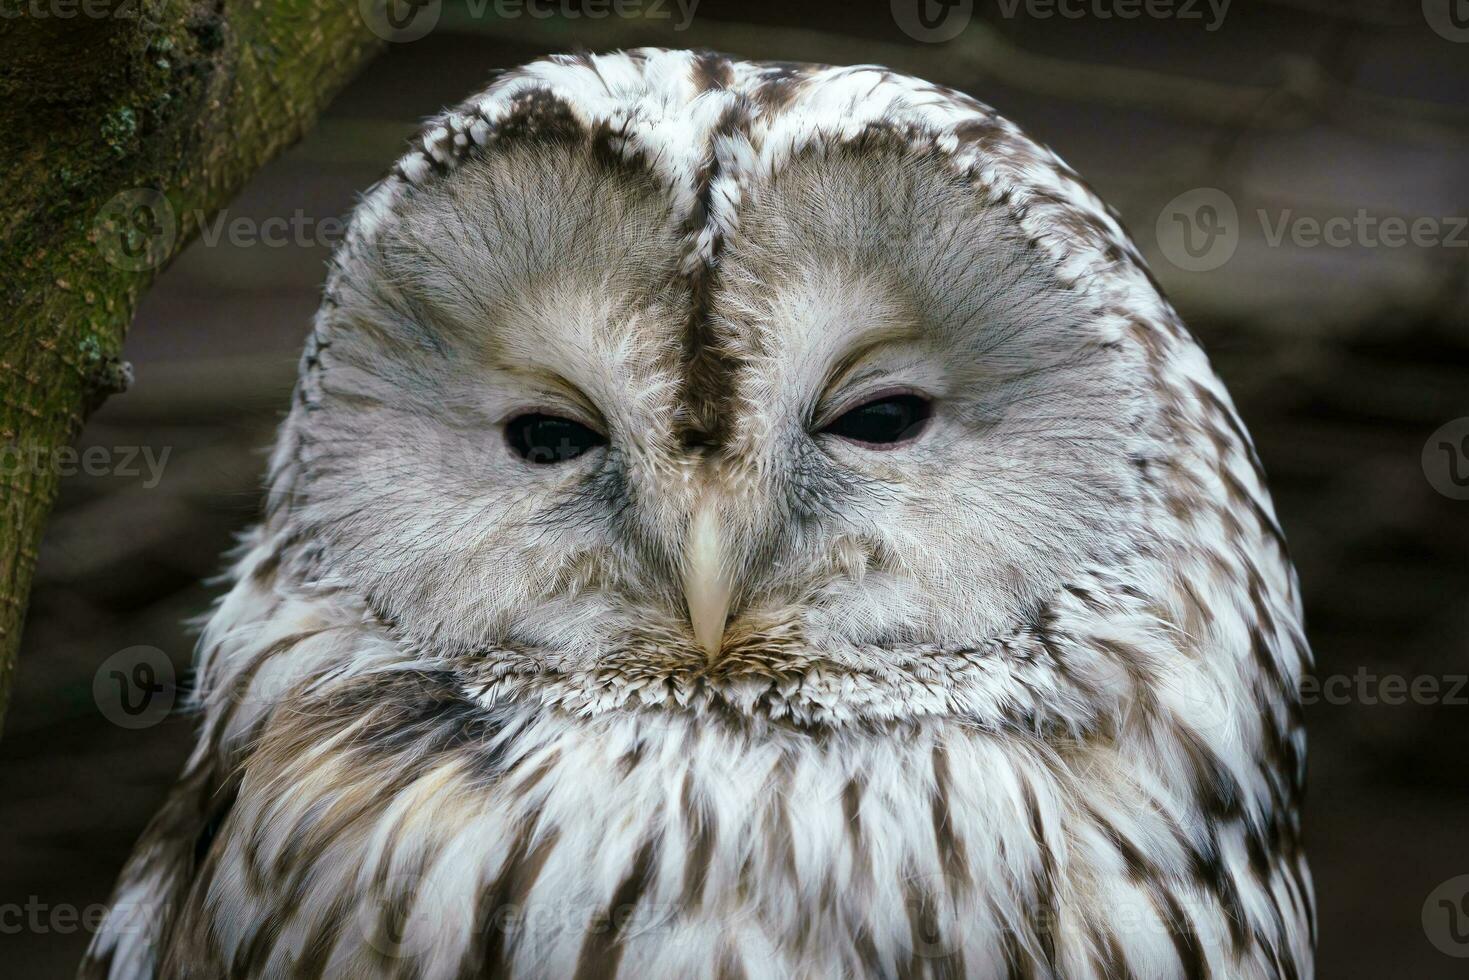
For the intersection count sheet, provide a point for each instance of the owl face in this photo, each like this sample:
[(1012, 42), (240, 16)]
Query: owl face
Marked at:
[(701, 473), (879, 419)]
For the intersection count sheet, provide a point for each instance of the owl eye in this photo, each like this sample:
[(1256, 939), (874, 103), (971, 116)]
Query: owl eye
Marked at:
[(541, 439), (884, 421)]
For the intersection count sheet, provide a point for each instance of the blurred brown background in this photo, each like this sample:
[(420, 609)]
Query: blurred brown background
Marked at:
[(1345, 356)]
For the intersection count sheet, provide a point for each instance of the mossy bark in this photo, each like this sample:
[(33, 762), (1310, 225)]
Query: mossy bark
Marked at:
[(122, 121)]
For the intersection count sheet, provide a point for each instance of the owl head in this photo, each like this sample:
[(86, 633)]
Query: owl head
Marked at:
[(768, 513), (666, 364)]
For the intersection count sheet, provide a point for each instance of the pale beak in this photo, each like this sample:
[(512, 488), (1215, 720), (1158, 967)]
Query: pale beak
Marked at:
[(706, 580)]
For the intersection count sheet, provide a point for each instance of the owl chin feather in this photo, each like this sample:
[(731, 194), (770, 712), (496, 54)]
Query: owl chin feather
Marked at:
[(725, 693)]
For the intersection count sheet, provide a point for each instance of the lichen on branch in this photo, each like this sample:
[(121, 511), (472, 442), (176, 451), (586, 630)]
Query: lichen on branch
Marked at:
[(122, 122)]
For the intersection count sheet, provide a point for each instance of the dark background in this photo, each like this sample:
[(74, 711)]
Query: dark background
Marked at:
[(1344, 361)]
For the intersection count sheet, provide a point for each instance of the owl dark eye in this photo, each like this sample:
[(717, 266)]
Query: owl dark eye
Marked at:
[(884, 421), (539, 438)]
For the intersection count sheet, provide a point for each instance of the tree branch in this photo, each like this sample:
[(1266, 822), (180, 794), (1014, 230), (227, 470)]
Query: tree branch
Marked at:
[(121, 121)]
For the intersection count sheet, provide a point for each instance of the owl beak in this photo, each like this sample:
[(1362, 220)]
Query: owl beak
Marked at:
[(706, 580)]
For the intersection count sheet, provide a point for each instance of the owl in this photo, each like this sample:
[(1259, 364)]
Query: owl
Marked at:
[(740, 519)]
